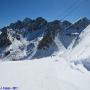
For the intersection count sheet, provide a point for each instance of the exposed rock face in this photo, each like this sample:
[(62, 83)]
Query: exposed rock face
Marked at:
[(4, 40), (33, 29), (39, 23), (82, 23), (66, 24), (17, 25), (52, 29)]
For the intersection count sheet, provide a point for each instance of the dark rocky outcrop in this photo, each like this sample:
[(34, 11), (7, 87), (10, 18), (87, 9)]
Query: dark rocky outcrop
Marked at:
[(52, 29), (4, 40), (39, 23)]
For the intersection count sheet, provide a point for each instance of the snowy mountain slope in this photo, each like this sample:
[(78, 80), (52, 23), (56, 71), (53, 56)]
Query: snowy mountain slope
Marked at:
[(18, 41), (73, 31), (51, 73), (22, 49), (80, 54), (82, 49), (67, 36)]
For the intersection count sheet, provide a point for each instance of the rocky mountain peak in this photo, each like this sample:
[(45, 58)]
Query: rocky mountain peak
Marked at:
[(66, 24), (27, 20), (81, 23), (27, 31)]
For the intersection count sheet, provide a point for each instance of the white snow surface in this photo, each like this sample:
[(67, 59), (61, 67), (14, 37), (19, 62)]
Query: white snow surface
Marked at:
[(51, 73)]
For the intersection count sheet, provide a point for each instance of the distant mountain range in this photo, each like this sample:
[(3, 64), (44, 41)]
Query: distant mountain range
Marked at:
[(29, 39)]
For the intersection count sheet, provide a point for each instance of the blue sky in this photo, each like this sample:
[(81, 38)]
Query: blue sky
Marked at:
[(12, 10)]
